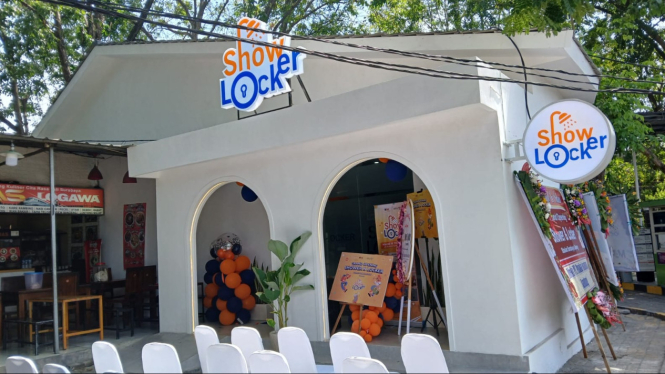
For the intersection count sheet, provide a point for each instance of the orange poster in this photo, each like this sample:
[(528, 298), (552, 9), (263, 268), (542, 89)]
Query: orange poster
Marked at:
[(387, 227), (424, 214), (361, 279)]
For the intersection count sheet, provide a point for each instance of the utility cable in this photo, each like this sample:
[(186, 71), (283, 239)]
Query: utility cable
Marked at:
[(526, 97)]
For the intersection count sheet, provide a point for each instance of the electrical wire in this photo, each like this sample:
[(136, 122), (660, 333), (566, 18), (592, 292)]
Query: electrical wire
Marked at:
[(360, 62), (526, 97), (460, 61), (628, 63)]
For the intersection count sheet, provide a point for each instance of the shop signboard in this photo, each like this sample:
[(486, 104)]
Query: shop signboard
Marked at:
[(386, 217), (621, 240), (254, 71), (134, 235), (603, 246), (569, 142), (424, 214), (565, 249), (18, 198), (361, 279)]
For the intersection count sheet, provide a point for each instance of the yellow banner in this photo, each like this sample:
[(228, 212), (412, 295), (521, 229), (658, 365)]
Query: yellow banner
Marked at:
[(424, 214), (361, 279)]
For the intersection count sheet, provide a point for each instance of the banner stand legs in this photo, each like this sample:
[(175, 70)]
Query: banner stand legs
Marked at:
[(609, 344), (600, 345), (579, 329), (401, 310), (339, 317), (432, 289), (408, 313)]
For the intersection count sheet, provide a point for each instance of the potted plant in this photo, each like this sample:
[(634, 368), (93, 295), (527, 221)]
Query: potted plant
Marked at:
[(279, 284)]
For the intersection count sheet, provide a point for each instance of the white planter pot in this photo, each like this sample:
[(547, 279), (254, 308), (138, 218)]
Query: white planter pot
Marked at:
[(260, 312), (274, 343)]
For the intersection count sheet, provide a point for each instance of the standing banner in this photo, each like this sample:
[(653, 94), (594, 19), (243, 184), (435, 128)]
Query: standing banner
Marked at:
[(621, 240), (134, 235), (565, 249), (603, 246), (406, 242), (424, 214), (93, 255), (386, 217), (361, 279)]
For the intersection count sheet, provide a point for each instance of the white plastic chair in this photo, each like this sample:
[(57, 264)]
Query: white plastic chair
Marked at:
[(344, 345), (363, 365), (268, 362), (225, 358), (20, 365), (205, 336), (106, 358), (422, 354), (247, 339), (55, 369), (160, 358), (295, 346)]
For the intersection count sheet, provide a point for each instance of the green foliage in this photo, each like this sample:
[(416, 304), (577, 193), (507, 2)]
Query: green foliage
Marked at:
[(278, 285), (536, 200)]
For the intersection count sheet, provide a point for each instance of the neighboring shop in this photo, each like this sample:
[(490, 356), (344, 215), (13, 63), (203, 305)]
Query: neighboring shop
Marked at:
[(316, 158)]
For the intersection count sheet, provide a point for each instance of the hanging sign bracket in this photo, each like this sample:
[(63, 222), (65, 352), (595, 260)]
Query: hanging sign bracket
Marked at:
[(517, 150)]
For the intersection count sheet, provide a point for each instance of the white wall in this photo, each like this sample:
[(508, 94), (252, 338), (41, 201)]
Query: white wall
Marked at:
[(117, 194), (226, 211)]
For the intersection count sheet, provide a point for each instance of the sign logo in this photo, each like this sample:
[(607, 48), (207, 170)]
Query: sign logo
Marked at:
[(569, 142), (254, 72)]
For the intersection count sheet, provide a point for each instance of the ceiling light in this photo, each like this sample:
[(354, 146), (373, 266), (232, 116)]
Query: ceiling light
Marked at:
[(11, 157)]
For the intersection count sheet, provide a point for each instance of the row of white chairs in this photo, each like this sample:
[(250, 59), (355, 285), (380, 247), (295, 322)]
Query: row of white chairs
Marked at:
[(23, 365)]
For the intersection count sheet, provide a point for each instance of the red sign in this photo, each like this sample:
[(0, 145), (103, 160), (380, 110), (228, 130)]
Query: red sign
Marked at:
[(566, 250), (134, 235), (17, 198), (93, 255)]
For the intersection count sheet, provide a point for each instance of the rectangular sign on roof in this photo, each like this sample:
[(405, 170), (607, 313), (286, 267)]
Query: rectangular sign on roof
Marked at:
[(18, 198)]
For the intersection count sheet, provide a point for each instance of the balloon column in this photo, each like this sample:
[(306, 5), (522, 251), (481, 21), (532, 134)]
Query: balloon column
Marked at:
[(230, 290), (373, 318)]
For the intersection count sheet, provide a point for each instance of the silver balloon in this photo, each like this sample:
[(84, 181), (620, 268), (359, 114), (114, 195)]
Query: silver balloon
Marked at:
[(225, 241)]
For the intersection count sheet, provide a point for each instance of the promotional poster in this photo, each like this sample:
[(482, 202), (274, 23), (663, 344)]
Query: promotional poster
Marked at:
[(621, 236), (361, 279), (386, 217), (603, 247), (134, 235), (424, 214)]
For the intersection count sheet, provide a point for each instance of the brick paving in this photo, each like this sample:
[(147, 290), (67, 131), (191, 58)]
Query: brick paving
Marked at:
[(641, 349)]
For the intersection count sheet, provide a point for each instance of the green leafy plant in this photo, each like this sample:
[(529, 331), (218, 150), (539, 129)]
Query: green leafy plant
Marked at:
[(536, 193), (279, 284), (258, 286)]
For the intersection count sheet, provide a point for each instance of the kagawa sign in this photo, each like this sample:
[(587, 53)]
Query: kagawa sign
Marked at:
[(254, 72), (569, 142)]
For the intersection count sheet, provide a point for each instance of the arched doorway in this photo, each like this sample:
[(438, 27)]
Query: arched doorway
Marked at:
[(349, 225), (232, 214)]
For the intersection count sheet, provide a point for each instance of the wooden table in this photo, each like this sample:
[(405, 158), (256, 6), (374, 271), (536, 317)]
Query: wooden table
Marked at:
[(65, 300)]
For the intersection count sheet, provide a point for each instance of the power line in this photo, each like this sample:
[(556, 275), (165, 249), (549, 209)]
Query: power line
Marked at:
[(628, 63), (442, 58), (361, 62)]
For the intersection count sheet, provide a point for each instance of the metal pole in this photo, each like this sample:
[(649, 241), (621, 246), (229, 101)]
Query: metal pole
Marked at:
[(54, 259), (637, 178)]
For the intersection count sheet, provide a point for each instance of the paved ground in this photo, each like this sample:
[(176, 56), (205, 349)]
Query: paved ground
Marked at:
[(640, 349)]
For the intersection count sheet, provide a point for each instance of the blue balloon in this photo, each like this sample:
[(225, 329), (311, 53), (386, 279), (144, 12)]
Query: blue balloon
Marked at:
[(207, 278), (217, 278), (234, 305), (236, 249), (396, 171), (248, 195), (252, 287), (243, 316), (212, 314), (213, 252), (225, 293), (391, 302), (247, 277), (212, 266)]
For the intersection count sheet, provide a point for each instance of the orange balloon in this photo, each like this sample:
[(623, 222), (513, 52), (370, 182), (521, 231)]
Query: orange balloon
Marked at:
[(221, 305), (227, 267), (365, 324), (368, 338), (249, 302), (394, 272), (355, 315), (379, 322), (372, 308), (207, 302), (355, 326), (374, 329), (384, 160), (227, 318), (399, 286), (228, 255), (242, 263), (399, 294), (233, 280), (390, 291), (211, 290), (395, 278), (220, 253), (388, 315), (371, 316), (239, 184), (383, 307), (363, 333), (242, 291), (353, 307)]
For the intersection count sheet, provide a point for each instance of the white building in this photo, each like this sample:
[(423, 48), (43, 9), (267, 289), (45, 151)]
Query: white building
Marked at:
[(504, 302)]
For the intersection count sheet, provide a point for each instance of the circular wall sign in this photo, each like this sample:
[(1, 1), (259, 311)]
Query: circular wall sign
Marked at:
[(569, 142)]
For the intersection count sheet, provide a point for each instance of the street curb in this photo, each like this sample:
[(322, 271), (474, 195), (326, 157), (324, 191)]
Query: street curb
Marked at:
[(644, 312), (654, 290)]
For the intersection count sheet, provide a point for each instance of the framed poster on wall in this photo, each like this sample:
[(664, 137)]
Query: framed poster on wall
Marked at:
[(134, 219)]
